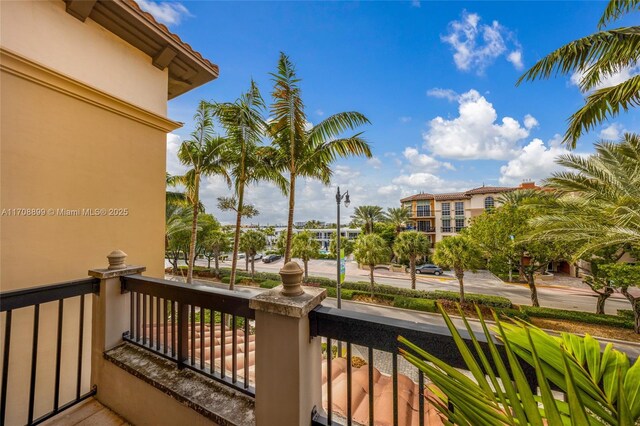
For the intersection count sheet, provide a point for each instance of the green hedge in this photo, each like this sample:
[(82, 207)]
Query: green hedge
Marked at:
[(270, 283), (586, 317), (424, 305), (625, 313)]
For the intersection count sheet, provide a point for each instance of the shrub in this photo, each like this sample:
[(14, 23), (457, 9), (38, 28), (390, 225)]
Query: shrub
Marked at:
[(625, 313), (424, 305), (586, 317), (270, 283), (480, 299), (224, 280)]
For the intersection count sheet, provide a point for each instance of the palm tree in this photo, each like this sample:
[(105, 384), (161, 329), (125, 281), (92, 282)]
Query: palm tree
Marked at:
[(217, 242), (367, 216), (305, 247), (371, 249), (304, 150), (245, 127), (204, 154), (412, 245), (460, 254), (596, 57), (598, 203), (251, 242), (398, 217)]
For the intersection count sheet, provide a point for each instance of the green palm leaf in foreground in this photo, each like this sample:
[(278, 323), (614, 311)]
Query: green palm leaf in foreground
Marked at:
[(595, 58), (601, 387)]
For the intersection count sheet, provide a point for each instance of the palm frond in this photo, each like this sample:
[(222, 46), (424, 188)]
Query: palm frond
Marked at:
[(615, 9), (601, 105)]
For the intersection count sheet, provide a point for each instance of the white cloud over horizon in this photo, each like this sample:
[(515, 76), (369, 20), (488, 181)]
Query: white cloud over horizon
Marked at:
[(475, 133), (477, 45), (535, 161), (166, 12)]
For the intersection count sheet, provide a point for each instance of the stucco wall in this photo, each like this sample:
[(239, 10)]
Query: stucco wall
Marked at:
[(45, 33), (59, 152)]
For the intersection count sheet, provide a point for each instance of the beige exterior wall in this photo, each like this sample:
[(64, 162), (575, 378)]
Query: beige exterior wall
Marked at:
[(83, 127), (61, 152), (45, 33)]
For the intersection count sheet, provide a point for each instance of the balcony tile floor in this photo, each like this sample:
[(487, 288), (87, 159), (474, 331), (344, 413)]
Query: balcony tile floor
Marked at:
[(87, 413)]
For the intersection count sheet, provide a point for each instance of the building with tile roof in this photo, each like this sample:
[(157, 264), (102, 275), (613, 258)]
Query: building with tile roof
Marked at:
[(446, 214)]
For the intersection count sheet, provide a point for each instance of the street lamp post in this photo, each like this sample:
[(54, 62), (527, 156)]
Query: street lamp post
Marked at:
[(339, 198)]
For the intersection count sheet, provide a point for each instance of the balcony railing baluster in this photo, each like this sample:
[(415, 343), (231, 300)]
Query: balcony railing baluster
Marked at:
[(181, 311), (33, 298)]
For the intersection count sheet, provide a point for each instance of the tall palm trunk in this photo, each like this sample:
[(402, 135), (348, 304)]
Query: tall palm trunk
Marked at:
[(194, 229), (373, 284), (412, 267), (292, 201), (460, 277), (534, 290), (306, 268), (253, 266), (217, 263), (236, 237)]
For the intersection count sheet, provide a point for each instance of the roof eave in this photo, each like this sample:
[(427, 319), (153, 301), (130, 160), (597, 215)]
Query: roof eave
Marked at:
[(187, 69)]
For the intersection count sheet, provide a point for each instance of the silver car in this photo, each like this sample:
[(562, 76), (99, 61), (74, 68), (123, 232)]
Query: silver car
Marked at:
[(428, 268)]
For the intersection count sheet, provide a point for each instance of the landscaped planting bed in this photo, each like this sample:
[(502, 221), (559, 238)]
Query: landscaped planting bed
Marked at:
[(426, 301)]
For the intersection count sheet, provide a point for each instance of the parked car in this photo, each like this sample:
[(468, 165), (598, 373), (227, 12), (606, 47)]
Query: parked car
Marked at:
[(428, 269), (271, 258), (257, 257)]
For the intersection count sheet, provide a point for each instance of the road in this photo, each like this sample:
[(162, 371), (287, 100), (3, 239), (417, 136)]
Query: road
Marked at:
[(632, 349), (482, 282)]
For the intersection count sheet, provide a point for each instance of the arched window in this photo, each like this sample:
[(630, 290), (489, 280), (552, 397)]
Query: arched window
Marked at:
[(488, 203)]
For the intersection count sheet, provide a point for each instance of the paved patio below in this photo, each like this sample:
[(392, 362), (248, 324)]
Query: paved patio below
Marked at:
[(87, 413)]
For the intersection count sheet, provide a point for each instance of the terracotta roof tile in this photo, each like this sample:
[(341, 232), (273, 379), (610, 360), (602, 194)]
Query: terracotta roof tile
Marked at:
[(408, 392), (452, 196), (490, 190), (149, 17), (422, 196)]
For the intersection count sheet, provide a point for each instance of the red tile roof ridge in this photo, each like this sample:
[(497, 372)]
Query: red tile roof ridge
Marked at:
[(149, 17)]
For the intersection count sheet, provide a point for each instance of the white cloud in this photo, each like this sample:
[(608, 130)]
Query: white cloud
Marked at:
[(612, 132), (388, 189), (319, 112), (530, 121), (420, 162), (448, 94), (174, 167), (374, 162), (609, 79), (477, 46), (535, 161), (475, 134), (515, 57), (167, 12), (418, 180), (405, 119)]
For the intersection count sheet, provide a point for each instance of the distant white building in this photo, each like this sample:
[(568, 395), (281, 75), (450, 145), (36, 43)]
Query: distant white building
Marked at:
[(323, 236)]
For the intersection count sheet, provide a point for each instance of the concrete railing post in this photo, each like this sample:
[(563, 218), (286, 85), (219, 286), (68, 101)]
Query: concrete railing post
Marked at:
[(110, 310), (288, 363)]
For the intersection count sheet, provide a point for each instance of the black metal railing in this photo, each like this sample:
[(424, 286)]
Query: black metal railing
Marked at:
[(70, 299), (376, 336), (204, 329)]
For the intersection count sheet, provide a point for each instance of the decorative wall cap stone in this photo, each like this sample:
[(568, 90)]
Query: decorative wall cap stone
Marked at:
[(117, 259), (105, 273), (273, 301), (291, 275)]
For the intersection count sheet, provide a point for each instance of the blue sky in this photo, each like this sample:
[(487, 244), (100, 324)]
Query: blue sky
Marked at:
[(436, 79)]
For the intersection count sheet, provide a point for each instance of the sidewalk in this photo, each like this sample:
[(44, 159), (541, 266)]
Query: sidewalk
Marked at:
[(630, 348)]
